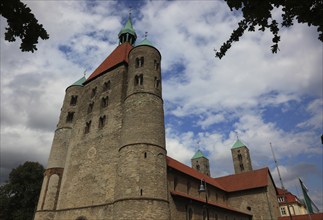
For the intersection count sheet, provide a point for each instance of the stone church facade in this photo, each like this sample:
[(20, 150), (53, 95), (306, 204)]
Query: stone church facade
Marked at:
[(108, 158)]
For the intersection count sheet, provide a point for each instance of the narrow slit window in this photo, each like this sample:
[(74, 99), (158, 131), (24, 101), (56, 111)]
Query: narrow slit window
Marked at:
[(157, 83), (240, 157), (156, 65), (102, 120), (90, 107), (87, 127), (241, 167), (93, 93), (73, 100), (141, 61)]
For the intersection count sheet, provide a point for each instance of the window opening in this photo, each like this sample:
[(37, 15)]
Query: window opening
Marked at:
[(157, 83), (189, 213), (90, 107), (139, 62), (141, 192), (87, 127), (106, 86), (73, 100), (188, 187), (240, 157), (197, 167), (102, 121), (145, 155), (93, 92), (283, 210), (175, 183), (139, 79), (156, 65), (241, 167), (70, 116), (104, 102)]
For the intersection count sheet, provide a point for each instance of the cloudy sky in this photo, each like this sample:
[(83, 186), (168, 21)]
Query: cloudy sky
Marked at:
[(260, 96)]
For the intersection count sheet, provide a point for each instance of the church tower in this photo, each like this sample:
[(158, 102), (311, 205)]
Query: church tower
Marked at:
[(241, 157), (108, 156), (201, 163), (141, 187)]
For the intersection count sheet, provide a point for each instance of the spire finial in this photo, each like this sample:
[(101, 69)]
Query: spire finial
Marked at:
[(130, 10), (146, 33), (84, 73), (237, 135)]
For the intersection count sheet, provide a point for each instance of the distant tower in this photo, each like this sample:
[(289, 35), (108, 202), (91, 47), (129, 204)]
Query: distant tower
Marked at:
[(201, 163), (241, 157)]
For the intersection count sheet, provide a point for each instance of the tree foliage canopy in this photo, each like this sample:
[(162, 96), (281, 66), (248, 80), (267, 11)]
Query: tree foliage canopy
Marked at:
[(22, 24), (19, 196), (258, 14)]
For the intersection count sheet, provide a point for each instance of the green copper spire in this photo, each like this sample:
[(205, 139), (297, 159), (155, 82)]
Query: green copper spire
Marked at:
[(198, 154), (128, 33), (238, 144), (145, 41)]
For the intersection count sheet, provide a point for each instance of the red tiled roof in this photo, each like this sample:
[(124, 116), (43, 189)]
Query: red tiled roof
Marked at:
[(190, 171), (119, 55), (289, 196), (176, 193), (317, 216), (236, 182), (246, 180)]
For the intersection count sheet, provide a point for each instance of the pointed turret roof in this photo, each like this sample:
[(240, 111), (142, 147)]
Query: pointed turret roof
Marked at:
[(128, 28), (238, 144), (198, 154), (79, 82), (145, 42)]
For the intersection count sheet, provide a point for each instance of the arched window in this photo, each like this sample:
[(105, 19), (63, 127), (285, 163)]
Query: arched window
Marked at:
[(87, 127), (90, 107), (102, 121), (139, 62), (139, 79), (106, 86), (104, 102), (93, 93), (197, 167)]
